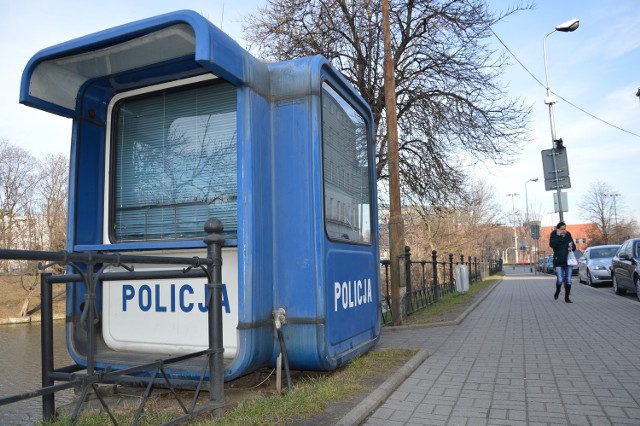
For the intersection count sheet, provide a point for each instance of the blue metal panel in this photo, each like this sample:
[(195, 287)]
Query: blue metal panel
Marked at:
[(308, 263), (211, 49), (255, 234)]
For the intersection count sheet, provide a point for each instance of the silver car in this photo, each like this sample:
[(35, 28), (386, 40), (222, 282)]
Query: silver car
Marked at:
[(594, 267)]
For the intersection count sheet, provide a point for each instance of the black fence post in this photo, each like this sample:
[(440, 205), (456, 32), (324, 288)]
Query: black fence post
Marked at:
[(407, 267), (434, 259), (387, 295), (46, 342), (451, 284), (475, 262), (214, 241)]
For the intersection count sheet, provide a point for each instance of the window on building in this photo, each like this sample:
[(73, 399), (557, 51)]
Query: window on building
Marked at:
[(174, 163)]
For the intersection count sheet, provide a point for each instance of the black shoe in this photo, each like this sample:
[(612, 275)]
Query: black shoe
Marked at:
[(567, 292)]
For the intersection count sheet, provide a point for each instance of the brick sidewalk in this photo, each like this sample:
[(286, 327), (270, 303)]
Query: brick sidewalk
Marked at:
[(522, 358)]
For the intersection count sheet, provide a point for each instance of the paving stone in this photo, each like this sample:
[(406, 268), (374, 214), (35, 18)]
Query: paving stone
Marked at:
[(522, 358)]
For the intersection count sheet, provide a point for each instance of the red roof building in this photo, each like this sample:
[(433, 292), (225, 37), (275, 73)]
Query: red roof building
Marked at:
[(580, 234)]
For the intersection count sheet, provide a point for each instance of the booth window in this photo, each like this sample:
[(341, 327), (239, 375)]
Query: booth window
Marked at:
[(174, 163), (347, 189)]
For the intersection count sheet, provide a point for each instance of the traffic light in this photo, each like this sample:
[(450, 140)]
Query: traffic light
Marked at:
[(535, 232), (559, 144)]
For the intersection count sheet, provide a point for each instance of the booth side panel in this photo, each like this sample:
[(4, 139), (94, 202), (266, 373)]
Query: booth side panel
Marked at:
[(255, 235), (296, 238), (86, 207)]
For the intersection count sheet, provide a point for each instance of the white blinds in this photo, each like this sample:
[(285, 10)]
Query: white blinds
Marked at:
[(175, 164)]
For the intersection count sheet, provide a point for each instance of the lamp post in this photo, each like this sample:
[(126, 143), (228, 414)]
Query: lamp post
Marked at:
[(565, 27), (513, 206), (515, 235), (615, 210), (526, 197), (526, 200)]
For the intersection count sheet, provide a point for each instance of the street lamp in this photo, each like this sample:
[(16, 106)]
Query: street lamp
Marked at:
[(513, 206), (526, 200), (515, 234), (565, 27), (615, 209), (526, 196)]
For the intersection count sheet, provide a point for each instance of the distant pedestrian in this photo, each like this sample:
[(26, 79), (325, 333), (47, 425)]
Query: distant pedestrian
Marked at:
[(562, 243)]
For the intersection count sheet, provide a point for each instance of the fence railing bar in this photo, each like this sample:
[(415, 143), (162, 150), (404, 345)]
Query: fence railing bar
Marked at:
[(84, 264)]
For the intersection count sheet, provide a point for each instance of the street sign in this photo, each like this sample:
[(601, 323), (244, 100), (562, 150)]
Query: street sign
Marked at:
[(563, 198), (556, 173)]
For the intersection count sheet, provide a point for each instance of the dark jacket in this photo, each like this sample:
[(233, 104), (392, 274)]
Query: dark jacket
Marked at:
[(560, 246)]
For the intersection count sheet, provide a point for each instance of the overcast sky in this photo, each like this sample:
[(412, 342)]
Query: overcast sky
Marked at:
[(595, 68)]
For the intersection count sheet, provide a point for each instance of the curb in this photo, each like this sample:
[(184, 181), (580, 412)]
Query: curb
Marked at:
[(375, 398), (372, 401), (456, 321)]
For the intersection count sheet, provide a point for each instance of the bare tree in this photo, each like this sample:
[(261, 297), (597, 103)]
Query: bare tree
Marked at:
[(452, 109), (602, 207), (474, 228), (47, 220), (52, 189), (18, 178)]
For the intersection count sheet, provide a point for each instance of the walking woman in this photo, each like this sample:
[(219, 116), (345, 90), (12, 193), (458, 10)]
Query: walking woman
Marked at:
[(562, 243)]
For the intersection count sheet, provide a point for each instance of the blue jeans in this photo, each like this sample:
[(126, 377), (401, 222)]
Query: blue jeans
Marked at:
[(563, 275)]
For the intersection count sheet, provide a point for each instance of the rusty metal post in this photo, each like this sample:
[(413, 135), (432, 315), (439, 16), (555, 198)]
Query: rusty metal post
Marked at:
[(396, 223)]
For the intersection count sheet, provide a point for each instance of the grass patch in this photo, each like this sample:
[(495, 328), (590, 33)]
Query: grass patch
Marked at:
[(450, 306), (312, 393)]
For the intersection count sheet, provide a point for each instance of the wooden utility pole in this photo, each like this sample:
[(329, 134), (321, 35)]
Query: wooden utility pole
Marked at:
[(396, 223)]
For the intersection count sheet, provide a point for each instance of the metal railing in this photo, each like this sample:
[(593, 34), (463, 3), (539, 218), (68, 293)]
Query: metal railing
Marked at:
[(429, 280), (90, 269)]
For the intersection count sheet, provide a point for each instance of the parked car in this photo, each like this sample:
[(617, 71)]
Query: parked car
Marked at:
[(625, 268), (542, 264), (549, 269), (594, 267), (549, 265), (578, 254)]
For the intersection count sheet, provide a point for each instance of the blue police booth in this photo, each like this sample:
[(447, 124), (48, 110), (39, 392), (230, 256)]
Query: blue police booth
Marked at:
[(174, 123)]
